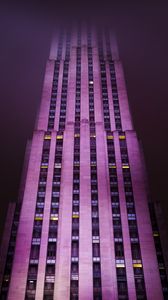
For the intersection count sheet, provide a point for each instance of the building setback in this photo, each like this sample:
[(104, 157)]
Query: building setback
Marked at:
[(81, 228)]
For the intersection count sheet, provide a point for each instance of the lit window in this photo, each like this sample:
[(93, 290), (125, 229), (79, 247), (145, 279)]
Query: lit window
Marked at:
[(125, 167), (110, 137), (137, 265), (120, 265), (155, 234), (38, 218), (54, 217), (58, 165), (47, 137)]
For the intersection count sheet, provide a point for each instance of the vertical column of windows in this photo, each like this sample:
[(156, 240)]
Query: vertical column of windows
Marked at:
[(53, 223), (76, 181), (59, 50), (75, 220), (10, 255), (116, 106), (68, 46), (78, 88), (64, 86), (117, 227), (132, 223), (53, 96), (38, 220), (55, 85), (100, 46), (117, 115), (108, 46), (159, 252), (97, 291), (104, 85), (91, 90)]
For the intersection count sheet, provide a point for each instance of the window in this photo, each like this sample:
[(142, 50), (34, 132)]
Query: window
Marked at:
[(34, 251), (50, 269), (122, 286), (51, 252), (75, 249), (119, 250), (96, 250), (135, 251)]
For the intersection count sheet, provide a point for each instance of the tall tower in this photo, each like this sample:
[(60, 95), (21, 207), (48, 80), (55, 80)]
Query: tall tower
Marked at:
[(84, 230)]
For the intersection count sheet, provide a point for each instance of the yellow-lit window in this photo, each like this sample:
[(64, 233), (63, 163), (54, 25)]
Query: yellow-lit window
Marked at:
[(122, 137), (125, 167), (38, 218), (110, 137), (156, 234), (44, 167), (59, 137), (112, 167), (77, 135), (54, 218), (137, 265), (47, 137)]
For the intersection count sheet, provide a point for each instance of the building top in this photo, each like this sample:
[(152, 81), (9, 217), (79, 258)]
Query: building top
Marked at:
[(108, 38)]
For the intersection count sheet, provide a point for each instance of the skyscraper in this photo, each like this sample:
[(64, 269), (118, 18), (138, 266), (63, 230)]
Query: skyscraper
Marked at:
[(82, 228)]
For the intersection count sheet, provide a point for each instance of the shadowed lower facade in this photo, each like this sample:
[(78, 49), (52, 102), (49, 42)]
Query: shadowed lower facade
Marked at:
[(82, 228)]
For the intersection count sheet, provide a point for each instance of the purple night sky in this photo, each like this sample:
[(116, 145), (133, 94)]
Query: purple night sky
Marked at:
[(142, 32)]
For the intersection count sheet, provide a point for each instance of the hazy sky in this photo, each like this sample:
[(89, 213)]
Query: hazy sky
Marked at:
[(25, 34)]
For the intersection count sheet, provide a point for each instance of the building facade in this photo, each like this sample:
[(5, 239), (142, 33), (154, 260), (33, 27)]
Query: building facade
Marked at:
[(82, 227)]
